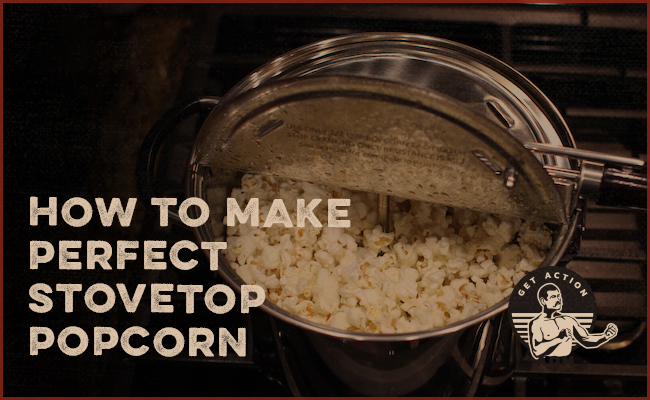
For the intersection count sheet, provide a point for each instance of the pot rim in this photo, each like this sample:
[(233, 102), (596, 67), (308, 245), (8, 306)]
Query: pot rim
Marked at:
[(272, 70)]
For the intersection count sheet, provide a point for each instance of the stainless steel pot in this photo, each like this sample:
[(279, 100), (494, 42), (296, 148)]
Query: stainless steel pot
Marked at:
[(431, 81)]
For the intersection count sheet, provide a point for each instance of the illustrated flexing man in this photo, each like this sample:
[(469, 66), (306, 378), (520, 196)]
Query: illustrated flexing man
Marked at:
[(553, 334)]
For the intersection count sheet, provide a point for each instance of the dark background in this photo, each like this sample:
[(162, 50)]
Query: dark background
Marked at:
[(82, 86), (84, 83)]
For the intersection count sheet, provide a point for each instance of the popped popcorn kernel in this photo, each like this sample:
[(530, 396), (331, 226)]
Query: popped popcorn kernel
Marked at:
[(439, 265)]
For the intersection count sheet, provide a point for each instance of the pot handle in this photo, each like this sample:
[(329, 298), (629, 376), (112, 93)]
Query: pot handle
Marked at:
[(146, 164), (624, 187), (610, 180)]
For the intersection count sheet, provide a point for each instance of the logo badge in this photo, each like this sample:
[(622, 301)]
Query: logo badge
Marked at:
[(552, 310)]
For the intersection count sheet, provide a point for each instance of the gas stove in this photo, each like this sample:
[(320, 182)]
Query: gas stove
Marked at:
[(590, 60)]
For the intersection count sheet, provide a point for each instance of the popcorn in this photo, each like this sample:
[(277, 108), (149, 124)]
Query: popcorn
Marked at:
[(438, 266)]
